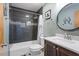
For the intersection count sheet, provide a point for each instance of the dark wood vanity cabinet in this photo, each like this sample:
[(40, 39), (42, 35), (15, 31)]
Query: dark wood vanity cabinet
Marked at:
[(51, 49), (65, 52)]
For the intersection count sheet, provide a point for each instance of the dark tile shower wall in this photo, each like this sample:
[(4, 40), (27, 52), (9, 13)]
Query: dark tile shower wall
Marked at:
[(18, 33)]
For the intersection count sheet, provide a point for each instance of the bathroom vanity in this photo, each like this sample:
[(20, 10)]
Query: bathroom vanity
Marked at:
[(56, 47), (67, 20)]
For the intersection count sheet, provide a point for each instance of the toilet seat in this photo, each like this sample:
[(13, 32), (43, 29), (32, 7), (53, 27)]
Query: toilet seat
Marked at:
[(35, 47)]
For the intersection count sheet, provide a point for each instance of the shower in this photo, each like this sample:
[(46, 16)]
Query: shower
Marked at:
[(23, 26)]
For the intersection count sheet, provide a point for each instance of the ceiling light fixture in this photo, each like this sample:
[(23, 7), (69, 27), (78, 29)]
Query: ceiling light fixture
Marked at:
[(27, 15)]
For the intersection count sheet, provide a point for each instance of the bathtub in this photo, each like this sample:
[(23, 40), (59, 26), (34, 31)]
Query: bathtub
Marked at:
[(19, 49)]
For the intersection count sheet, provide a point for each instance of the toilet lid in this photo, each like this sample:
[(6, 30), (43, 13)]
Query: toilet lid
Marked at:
[(35, 46)]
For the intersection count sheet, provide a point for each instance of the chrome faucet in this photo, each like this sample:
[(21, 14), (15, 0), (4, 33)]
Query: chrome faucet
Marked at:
[(67, 36), (70, 36)]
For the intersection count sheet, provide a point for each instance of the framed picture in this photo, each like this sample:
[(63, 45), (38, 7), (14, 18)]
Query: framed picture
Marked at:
[(48, 14)]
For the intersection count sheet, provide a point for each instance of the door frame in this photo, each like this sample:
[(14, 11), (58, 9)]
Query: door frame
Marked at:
[(6, 29)]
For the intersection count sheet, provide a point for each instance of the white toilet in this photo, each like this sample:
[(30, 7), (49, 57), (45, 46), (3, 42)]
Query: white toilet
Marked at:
[(36, 49)]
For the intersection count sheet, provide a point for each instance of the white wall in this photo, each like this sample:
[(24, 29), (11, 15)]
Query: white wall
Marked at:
[(50, 27)]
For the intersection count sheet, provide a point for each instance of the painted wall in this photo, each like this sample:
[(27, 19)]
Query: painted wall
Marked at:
[(50, 27)]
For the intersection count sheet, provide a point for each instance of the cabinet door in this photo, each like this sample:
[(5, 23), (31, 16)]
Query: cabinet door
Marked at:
[(50, 49), (65, 52)]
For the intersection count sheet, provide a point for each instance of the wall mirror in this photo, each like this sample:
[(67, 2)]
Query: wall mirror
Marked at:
[(68, 17)]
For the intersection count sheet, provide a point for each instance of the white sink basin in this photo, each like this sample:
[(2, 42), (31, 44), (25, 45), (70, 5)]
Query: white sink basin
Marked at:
[(68, 41)]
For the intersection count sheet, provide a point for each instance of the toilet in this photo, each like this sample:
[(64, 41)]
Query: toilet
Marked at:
[(36, 49)]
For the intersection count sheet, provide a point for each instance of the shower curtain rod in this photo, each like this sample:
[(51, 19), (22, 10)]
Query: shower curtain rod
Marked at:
[(23, 10)]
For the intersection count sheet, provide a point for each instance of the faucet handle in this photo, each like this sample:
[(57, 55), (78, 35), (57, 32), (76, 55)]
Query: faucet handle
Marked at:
[(65, 35), (70, 36)]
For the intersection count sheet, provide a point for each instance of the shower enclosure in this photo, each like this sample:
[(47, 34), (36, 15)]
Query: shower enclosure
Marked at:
[(17, 26), (23, 28), (23, 25)]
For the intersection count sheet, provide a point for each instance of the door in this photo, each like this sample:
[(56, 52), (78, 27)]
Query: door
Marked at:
[(3, 31)]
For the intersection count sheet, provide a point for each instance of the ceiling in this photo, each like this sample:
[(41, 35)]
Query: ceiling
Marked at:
[(29, 6)]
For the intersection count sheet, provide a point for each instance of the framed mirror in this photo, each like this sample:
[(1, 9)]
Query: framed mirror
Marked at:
[(68, 17)]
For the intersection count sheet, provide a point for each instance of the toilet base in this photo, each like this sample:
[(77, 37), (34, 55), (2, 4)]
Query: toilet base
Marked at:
[(33, 53)]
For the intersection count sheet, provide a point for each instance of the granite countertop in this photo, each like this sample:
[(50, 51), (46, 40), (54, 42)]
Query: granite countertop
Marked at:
[(71, 45)]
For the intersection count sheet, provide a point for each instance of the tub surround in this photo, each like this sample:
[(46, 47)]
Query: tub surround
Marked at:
[(71, 45), (19, 49)]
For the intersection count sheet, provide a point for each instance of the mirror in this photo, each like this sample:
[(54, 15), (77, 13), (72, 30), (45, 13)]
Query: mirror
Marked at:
[(68, 17)]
